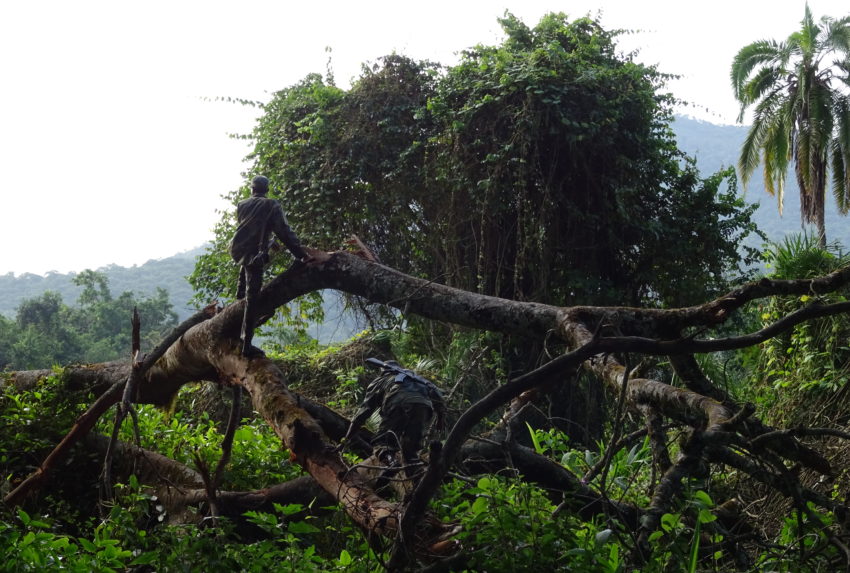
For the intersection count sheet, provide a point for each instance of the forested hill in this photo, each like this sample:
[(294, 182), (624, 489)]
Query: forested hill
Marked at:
[(717, 146), (714, 146), (169, 273)]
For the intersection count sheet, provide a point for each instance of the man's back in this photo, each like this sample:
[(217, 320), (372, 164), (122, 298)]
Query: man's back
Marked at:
[(407, 391), (252, 216), (257, 218)]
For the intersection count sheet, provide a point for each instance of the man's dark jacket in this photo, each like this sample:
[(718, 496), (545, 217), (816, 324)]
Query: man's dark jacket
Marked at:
[(257, 218)]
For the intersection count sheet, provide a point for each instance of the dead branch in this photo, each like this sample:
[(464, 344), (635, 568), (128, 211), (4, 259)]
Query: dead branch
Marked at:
[(125, 406)]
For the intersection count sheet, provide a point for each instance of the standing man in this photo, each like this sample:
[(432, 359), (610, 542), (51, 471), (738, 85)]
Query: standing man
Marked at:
[(257, 218), (407, 402)]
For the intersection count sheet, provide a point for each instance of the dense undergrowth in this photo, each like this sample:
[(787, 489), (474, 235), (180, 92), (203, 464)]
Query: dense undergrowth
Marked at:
[(506, 524)]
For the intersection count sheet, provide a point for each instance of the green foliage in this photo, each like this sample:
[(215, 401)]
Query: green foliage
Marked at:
[(507, 525), (628, 468), (510, 525), (676, 545), (290, 326), (44, 334), (350, 162), (119, 544), (8, 333), (803, 544), (813, 357), (288, 538), (134, 530), (48, 332), (122, 541), (31, 423), (348, 391), (29, 545), (257, 453), (561, 161)]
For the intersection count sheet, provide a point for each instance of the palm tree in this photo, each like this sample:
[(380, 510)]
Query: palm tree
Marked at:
[(799, 88)]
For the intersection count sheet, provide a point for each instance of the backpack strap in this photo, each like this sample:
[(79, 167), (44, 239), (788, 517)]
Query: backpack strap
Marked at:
[(262, 245)]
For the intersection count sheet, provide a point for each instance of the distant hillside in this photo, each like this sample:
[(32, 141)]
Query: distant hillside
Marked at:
[(717, 146), (169, 273)]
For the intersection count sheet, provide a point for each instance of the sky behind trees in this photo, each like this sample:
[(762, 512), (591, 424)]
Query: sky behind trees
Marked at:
[(114, 150)]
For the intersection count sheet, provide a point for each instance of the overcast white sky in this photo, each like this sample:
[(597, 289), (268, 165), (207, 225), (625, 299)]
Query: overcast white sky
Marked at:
[(109, 152)]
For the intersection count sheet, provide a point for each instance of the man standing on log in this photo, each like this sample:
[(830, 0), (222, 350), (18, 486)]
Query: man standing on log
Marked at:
[(257, 218)]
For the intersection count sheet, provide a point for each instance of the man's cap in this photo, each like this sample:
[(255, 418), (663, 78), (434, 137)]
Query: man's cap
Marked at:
[(260, 184)]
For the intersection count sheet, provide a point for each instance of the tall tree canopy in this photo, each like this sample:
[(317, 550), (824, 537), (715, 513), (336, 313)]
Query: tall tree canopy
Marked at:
[(540, 169), (798, 88)]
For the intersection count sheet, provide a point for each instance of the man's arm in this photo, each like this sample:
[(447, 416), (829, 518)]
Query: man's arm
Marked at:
[(357, 421), (370, 403), (286, 235)]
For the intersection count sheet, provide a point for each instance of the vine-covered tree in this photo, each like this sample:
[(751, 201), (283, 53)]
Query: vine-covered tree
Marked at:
[(799, 90), (541, 169)]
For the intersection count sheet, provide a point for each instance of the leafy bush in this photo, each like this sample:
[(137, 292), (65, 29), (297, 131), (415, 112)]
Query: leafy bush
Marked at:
[(29, 545), (813, 357)]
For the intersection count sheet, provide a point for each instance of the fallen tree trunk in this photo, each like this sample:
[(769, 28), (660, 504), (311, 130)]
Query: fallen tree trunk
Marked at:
[(178, 487)]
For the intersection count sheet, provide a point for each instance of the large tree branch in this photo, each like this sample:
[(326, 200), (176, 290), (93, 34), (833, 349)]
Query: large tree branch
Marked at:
[(178, 486), (712, 313)]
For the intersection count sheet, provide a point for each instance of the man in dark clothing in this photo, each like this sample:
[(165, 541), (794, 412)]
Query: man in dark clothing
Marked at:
[(406, 402), (257, 218)]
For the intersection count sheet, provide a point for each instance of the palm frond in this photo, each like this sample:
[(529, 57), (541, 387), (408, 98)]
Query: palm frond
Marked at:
[(776, 157), (768, 80), (840, 183), (821, 119), (763, 118), (764, 53), (802, 165), (841, 154), (836, 35), (809, 31), (800, 255)]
